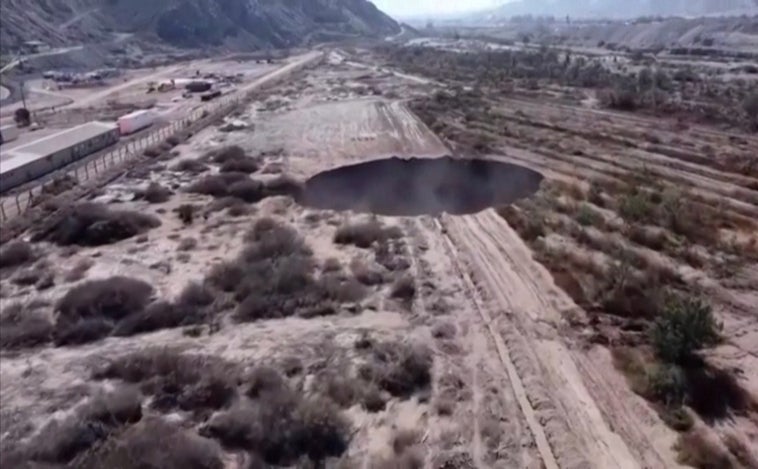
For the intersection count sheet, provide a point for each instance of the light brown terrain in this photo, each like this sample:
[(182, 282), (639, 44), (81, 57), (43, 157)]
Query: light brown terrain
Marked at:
[(443, 340)]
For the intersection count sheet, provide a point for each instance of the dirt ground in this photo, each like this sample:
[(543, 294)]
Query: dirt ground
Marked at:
[(513, 381)]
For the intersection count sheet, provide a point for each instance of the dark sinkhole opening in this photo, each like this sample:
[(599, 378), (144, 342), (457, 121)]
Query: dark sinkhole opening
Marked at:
[(420, 186)]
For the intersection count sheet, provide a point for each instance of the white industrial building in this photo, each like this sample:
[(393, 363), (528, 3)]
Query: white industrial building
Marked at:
[(28, 162)]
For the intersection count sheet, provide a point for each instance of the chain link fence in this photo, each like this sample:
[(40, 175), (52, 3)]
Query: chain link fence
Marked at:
[(90, 168)]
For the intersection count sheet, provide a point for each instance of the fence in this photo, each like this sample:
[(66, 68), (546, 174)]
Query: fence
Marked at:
[(90, 167)]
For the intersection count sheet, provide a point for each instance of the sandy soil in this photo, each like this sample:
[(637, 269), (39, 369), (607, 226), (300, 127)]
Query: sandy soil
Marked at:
[(531, 393)]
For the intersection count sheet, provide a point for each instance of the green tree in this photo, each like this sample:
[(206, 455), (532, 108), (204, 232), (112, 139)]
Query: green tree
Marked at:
[(685, 325)]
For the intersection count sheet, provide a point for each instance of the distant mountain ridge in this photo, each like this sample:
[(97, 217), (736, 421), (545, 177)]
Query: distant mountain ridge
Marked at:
[(245, 24), (625, 8)]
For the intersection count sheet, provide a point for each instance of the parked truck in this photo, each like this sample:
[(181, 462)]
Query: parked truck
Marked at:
[(136, 121)]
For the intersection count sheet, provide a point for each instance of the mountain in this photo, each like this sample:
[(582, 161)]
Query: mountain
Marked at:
[(624, 8), (243, 24)]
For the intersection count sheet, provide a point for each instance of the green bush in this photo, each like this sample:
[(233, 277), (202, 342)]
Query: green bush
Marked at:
[(667, 383), (685, 325)]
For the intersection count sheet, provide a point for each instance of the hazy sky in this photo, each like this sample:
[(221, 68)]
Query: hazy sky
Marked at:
[(429, 7)]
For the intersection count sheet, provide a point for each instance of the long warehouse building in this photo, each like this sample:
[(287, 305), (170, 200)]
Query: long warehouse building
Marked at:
[(31, 161)]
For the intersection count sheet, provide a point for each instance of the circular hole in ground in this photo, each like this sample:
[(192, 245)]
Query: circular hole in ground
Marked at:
[(420, 186)]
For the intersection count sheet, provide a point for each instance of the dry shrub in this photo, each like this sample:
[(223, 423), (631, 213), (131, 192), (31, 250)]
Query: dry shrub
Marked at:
[(60, 442), (154, 194), (400, 368), (696, 450), (78, 271), (217, 185), (284, 186), (248, 190), (157, 316), (186, 213), (443, 330), (16, 253), (153, 151), (263, 380), (243, 165), (90, 224), (190, 308), (196, 294), (176, 381), (343, 289), (193, 167), (281, 428), (235, 207), (113, 298), (331, 265), (228, 153), (155, 443), (404, 288), (29, 276), (187, 244), (365, 274), (59, 185), (22, 326), (82, 331), (364, 234), (391, 256)]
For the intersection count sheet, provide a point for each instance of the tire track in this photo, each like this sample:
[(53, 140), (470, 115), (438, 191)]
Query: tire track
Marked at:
[(517, 386), (531, 348)]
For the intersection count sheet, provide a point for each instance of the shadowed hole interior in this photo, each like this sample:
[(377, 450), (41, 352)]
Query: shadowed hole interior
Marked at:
[(420, 186)]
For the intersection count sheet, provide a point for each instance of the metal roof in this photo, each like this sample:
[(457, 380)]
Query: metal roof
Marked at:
[(46, 146)]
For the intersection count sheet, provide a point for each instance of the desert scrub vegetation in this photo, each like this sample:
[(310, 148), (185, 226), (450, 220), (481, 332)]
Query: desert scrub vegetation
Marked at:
[(176, 381), (275, 276), (365, 234), (400, 368), (16, 253), (123, 306), (190, 166), (708, 99), (69, 440), (24, 326), (154, 193), (91, 224), (155, 442)]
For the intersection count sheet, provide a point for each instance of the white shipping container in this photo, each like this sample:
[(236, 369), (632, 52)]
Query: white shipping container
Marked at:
[(135, 121), (8, 133)]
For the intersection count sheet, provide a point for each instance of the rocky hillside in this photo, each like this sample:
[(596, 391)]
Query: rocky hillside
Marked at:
[(246, 24), (626, 8)]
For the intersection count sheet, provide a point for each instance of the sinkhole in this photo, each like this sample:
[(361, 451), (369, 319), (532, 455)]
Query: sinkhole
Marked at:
[(420, 186)]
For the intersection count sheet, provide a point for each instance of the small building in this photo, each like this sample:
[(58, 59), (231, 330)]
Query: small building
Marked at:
[(35, 47), (31, 161)]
